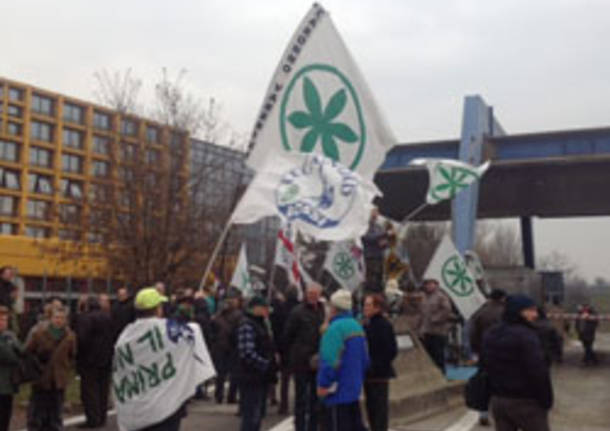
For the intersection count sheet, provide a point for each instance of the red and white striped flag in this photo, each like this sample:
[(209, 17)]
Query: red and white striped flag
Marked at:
[(286, 257)]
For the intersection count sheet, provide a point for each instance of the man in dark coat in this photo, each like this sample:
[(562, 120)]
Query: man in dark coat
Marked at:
[(586, 326), (301, 341), (94, 361), (256, 367), (519, 377), (123, 312), (382, 350)]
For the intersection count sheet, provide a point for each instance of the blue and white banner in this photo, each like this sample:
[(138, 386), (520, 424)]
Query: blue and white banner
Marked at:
[(314, 194)]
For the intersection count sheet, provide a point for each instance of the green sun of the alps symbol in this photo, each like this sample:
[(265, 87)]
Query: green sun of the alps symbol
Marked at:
[(456, 277), (330, 122), (320, 122), (343, 264), (455, 180)]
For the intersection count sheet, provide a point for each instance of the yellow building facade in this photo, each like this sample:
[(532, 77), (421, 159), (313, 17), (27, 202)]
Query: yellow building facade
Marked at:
[(56, 152)]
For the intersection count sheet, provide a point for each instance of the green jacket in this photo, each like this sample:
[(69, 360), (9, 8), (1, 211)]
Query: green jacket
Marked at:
[(10, 348)]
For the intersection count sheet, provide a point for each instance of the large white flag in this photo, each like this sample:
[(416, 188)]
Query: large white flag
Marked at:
[(241, 274), (345, 262), (449, 177), (315, 195), (448, 267), (318, 101), (157, 366), (286, 256)]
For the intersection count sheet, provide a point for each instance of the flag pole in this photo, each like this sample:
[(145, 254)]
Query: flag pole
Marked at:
[(414, 212), (223, 235)]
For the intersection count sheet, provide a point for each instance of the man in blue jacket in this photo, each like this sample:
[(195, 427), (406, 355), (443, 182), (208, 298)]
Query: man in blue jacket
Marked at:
[(343, 362)]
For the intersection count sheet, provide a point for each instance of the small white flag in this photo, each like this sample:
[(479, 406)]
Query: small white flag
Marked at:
[(345, 262), (315, 195), (318, 101), (449, 177), (241, 275), (448, 267)]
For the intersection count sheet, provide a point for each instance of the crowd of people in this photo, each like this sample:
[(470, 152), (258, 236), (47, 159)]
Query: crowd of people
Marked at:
[(333, 348)]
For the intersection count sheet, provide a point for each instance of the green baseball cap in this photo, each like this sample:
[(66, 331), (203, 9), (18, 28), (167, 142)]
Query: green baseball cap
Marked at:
[(148, 298)]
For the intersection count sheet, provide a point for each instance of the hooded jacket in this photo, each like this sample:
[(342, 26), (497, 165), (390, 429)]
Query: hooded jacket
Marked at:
[(513, 357)]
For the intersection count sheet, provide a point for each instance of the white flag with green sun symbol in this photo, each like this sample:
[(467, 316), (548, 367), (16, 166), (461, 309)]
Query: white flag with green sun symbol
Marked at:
[(345, 262), (449, 177), (319, 102), (241, 275), (448, 267)]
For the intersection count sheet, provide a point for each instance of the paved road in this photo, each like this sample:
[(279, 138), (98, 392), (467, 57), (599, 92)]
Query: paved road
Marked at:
[(582, 403)]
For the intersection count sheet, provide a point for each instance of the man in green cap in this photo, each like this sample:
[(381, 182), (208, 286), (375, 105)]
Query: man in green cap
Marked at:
[(257, 366)]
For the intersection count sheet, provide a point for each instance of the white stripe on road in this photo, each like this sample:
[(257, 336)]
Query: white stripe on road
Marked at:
[(465, 423), (76, 420), (286, 425)]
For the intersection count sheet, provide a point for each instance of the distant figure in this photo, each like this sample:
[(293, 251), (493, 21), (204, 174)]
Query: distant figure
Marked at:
[(437, 315), (343, 363), (123, 312), (586, 326), (374, 241), (519, 377), (552, 343)]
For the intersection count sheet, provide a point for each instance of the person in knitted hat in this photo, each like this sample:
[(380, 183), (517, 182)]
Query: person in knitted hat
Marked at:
[(344, 360), (519, 377)]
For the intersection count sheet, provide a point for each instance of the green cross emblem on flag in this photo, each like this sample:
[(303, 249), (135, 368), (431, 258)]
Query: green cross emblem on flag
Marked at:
[(343, 266), (456, 277)]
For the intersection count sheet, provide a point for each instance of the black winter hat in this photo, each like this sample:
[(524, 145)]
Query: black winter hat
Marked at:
[(515, 304)]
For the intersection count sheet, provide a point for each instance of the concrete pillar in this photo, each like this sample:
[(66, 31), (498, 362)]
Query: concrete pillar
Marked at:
[(527, 240)]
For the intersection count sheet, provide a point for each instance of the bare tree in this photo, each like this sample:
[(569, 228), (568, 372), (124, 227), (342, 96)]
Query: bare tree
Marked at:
[(150, 217), (497, 244)]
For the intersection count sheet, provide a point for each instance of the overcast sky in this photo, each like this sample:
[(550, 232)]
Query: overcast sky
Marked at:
[(543, 65)]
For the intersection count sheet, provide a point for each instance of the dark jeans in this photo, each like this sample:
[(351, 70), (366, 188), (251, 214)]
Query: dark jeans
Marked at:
[(223, 374), (377, 399), (45, 410), (305, 401), (6, 411), (284, 389), (435, 346), (590, 356), (94, 389), (513, 414), (343, 417), (252, 405)]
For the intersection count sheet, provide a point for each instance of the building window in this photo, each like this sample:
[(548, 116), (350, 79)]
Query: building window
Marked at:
[(101, 145), (41, 131), (94, 237), (8, 229), (14, 111), (152, 134), (72, 139), (42, 105), (126, 174), (69, 214), (40, 184), (73, 113), (37, 231), (70, 163), (68, 234), (41, 157), (101, 121), (9, 179), (13, 129), (71, 188), (128, 127), (128, 152), (98, 193), (8, 151), (8, 206), (38, 209), (15, 94), (152, 156), (100, 169)]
